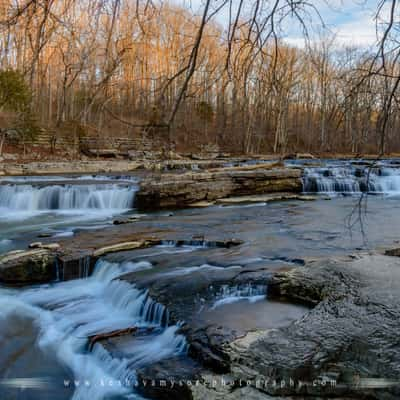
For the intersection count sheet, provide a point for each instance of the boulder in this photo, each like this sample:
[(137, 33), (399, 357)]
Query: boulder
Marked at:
[(168, 379), (24, 267), (302, 156)]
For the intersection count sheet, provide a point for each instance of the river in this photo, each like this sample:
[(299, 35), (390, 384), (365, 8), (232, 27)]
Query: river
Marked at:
[(45, 329)]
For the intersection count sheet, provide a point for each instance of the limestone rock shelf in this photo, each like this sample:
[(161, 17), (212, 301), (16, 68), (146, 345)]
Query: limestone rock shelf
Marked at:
[(175, 191)]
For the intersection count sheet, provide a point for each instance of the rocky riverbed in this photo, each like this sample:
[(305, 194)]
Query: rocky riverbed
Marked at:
[(246, 292)]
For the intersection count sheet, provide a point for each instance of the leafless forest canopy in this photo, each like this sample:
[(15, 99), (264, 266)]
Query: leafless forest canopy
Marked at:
[(142, 67)]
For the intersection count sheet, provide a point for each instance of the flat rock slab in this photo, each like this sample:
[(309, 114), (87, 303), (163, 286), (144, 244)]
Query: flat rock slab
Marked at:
[(125, 246), (265, 198), (73, 256), (45, 168)]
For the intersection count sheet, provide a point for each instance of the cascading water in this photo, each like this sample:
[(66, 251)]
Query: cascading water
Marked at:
[(66, 197), (68, 313), (350, 178), (232, 294)]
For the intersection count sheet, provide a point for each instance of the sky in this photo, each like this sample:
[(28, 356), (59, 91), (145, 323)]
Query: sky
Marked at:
[(351, 21)]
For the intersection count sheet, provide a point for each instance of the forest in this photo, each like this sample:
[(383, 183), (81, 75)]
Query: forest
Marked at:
[(131, 68)]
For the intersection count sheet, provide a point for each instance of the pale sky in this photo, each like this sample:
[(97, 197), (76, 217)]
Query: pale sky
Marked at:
[(352, 21)]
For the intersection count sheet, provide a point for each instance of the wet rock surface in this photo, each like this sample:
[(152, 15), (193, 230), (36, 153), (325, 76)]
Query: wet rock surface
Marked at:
[(185, 292), (75, 258), (350, 335)]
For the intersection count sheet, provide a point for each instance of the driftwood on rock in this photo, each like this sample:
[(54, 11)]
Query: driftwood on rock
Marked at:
[(125, 246), (104, 336)]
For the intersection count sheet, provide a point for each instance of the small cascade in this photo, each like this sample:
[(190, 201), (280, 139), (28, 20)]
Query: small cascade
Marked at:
[(350, 178), (187, 243), (155, 313), (57, 267), (84, 267), (232, 294), (55, 197), (68, 313)]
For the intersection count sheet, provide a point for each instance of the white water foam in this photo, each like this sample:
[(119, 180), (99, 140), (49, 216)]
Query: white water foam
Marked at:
[(204, 267), (233, 294), (352, 179), (21, 201), (68, 313)]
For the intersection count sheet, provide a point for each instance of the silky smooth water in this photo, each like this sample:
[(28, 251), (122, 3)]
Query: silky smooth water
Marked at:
[(353, 177), (44, 330), (66, 314), (57, 205)]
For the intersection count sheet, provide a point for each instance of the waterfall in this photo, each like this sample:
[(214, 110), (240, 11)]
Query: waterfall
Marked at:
[(348, 178), (29, 197), (68, 313)]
